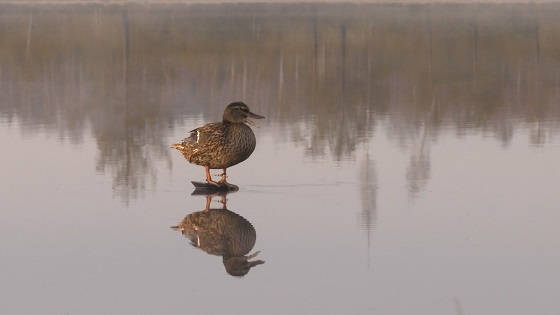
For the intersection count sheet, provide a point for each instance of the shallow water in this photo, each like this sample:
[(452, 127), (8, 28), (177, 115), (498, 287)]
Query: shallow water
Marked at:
[(408, 163)]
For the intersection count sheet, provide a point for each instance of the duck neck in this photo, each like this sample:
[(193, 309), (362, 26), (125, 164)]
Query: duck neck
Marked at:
[(227, 122)]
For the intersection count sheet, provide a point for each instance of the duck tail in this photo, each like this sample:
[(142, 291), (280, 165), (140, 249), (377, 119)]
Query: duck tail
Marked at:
[(178, 146)]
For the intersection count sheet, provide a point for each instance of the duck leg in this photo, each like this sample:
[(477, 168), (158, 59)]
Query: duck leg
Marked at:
[(223, 181), (208, 202), (223, 201), (209, 177), (223, 176)]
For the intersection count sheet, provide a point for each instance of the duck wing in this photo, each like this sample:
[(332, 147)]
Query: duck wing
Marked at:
[(208, 135), (202, 140)]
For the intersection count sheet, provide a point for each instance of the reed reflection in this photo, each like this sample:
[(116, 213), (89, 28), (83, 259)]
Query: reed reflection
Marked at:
[(367, 218), (368, 194), (221, 232), (326, 75)]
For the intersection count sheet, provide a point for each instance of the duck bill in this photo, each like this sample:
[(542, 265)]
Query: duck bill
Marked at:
[(254, 116)]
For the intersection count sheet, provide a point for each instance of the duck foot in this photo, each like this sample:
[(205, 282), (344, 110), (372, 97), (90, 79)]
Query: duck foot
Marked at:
[(212, 185), (211, 182), (230, 187)]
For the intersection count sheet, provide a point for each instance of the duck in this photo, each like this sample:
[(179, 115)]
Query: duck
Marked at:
[(220, 145)]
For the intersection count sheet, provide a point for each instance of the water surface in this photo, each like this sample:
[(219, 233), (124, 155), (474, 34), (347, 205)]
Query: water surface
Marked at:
[(408, 163)]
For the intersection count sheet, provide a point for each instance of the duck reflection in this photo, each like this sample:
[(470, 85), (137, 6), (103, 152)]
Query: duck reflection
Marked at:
[(221, 232)]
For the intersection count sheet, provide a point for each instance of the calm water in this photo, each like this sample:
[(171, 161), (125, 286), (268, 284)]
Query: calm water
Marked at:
[(409, 162)]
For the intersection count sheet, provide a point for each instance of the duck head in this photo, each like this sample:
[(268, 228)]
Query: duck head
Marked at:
[(241, 265), (238, 112)]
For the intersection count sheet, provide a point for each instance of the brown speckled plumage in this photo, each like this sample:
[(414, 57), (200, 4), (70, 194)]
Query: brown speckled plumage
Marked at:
[(219, 145), (223, 144)]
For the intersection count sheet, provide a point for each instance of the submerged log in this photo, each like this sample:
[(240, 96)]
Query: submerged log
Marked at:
[(202, 188)]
